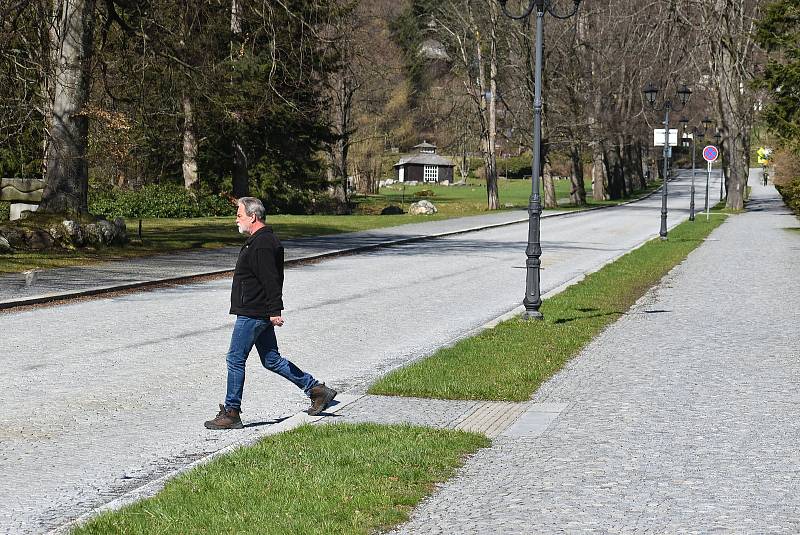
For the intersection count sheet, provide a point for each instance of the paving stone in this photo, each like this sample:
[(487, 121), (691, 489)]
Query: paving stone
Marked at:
[(682, 417)]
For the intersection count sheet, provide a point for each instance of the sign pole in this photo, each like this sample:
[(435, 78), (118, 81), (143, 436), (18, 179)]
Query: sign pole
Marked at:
[(710, 155), (708, 177)]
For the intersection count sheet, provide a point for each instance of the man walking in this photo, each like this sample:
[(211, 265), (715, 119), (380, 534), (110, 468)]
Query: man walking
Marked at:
[(256, 299)]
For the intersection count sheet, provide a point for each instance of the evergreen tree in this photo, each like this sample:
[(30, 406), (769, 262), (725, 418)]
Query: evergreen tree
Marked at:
[(779, 34)]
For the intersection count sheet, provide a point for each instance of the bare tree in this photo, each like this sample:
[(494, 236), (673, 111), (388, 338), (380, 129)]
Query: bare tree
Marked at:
[(479, 74), (71, 40), (729, 28)]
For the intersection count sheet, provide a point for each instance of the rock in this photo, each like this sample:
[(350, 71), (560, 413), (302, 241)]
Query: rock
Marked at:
[(392, 210), (15, 236), (94, 236), (422, 208), (411, 182), (460, 183), (444, 183), (38, 239), (107, 231), (121, 236), (60, 236), (508, 205), (5, 247), (75, 232)]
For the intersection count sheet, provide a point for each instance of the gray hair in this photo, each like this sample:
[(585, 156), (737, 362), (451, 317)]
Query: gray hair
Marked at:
[(253, 206)]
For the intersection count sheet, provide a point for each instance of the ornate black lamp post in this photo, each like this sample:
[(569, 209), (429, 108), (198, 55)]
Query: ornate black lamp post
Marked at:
[(533, 298), (683, 94), (696, 132)]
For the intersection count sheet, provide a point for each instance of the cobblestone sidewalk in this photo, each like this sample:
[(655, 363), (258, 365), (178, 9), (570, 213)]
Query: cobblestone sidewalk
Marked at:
[(683, 417)]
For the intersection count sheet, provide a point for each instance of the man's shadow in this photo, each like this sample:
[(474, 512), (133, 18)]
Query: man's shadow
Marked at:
[(279, 420)]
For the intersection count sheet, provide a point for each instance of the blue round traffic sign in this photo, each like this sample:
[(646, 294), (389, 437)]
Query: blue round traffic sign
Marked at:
[(710, 153)]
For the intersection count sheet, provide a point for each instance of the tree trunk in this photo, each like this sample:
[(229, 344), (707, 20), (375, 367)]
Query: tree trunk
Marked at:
[(731, 63), (241, 176), (67, 173), (493, 200), (599, 173), (577, 194), (240, 173), (549, 186), (341, 148), (627, 166), (616, 182), (190, 180)]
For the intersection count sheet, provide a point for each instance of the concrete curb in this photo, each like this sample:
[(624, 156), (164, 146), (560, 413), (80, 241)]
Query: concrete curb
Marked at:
[(152, 488), (184, 279)]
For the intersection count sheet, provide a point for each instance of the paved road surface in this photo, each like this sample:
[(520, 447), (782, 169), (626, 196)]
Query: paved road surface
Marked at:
[(104, 395)]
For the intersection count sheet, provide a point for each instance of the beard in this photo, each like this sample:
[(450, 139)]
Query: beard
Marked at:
[(242, 230)]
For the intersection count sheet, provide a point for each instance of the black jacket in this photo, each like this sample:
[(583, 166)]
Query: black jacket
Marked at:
[(257, 289)]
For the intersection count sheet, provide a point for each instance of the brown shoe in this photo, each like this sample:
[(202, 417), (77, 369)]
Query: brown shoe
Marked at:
[(320, 396), (225, 419)]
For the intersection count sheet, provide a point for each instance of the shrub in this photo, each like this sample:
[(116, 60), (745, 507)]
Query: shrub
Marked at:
[(157, 200), (5, 209), (786, 177)]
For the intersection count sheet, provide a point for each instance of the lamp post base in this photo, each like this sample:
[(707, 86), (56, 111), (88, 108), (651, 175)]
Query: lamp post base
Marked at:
[(532, 315)]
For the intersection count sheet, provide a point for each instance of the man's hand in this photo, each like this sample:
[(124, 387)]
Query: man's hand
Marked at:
[(277, 321)]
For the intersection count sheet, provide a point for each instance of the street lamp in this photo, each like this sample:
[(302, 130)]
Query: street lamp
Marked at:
[(683, 93), (533, 298), (696, 132)]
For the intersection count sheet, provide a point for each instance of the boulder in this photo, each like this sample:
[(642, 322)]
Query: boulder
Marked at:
[(121, 236), (108, 232), (5, 247), (392, 210), (422, 208), (75, 232), (38, 240), (94, 236), (15, 237)]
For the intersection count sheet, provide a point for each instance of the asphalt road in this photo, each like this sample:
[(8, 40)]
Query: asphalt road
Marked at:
[(101, 396)]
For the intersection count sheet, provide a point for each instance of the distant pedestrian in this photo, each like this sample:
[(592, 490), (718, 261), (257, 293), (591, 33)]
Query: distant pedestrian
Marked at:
[(257, 302)]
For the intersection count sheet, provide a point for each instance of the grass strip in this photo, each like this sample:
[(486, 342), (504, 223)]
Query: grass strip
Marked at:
[(510, 361), (338, 478)]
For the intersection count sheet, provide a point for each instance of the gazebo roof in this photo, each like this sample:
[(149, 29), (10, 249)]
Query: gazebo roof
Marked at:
[(425, 159), (425, 145)]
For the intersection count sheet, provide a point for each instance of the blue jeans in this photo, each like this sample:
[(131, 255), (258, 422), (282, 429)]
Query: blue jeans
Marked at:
[(248, 332)]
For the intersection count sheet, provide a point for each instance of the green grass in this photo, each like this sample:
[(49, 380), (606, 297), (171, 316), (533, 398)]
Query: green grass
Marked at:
[(454, 201), (315, 479), (510, 361), (166, 235)]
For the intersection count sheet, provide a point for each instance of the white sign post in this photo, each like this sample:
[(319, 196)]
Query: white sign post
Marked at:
[(658, 137), (710, 155)]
